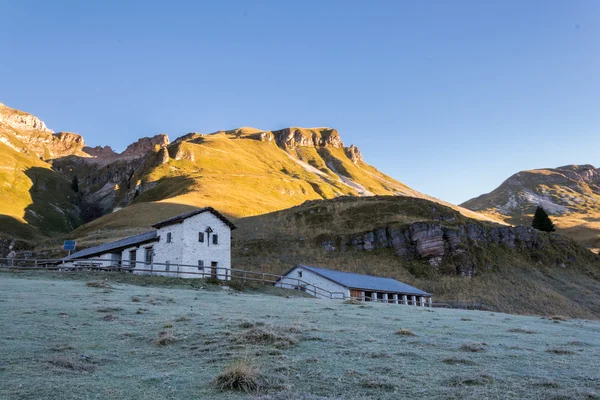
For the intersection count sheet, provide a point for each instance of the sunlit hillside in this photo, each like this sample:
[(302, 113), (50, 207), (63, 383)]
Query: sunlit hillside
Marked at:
[(570, 194)]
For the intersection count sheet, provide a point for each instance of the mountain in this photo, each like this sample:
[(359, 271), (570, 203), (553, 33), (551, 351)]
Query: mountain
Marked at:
[(241, 172), (570, 194), (35, 200)]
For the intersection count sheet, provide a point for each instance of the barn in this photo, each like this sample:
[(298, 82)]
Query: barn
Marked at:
[(196, 244), (338, 284)]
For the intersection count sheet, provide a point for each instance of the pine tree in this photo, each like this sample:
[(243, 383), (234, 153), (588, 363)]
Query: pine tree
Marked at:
[(541, 220), (75, 184)]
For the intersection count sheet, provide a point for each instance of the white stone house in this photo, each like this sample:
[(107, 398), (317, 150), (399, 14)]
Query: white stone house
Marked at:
[(327, 283), (195, 244)]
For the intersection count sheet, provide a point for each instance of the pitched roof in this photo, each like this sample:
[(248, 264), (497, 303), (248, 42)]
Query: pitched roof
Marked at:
[(181, 217), (119, 244), (365, 282)]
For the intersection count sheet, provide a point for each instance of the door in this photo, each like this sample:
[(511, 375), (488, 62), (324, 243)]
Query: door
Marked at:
[(213, 269), (356, 294)]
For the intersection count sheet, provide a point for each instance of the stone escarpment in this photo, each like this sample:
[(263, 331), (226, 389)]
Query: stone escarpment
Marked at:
[(145, 145), (21, 120), (296, 137), (449, 248)]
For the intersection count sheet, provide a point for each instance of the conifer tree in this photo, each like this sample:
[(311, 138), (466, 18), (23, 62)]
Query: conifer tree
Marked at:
[(75, 184), (541, 220)]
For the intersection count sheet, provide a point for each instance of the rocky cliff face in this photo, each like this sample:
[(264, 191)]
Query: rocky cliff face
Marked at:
[(299, 137), (145, 145), (21, 120), (447, 246), (353, 153)]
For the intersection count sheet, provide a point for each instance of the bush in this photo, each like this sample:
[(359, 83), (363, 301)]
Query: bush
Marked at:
[(405, 332)]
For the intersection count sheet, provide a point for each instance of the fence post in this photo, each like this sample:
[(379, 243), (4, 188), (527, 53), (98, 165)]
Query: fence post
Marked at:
[(177, 275), (244, 276)]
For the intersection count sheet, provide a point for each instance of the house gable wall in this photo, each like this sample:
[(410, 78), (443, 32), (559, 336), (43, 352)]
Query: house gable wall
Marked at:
[(291, 280)]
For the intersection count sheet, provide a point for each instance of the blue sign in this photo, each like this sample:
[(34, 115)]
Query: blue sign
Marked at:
[(69, 245)]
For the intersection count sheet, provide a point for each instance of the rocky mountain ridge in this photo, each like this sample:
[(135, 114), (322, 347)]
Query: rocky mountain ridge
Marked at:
[(570, 194)]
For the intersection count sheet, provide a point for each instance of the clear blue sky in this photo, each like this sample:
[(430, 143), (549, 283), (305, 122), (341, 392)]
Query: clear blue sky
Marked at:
[(449, 97)]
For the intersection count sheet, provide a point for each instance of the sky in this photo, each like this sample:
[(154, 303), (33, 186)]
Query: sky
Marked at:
[(448, 97)]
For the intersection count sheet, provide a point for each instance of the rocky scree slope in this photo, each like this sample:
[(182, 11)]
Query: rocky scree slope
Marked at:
[(570, 194)]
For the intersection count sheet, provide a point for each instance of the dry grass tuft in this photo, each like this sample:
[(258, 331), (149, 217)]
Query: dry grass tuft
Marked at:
[(473, 347), (241, 376), (577, 343), (109, 309), (405, 332), (72, 364), (136, 299), (560, 351), (353, 301), (109, 317), (182, 318), (521, 330), (458, 361), (62, 347), (477, 380), (266, 335), (164, 338), (546, 384), (466, 319), (377, 384), (246, 325), (558, 318), (99, 284)]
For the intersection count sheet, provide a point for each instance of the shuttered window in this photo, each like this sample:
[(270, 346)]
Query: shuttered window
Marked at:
[(200, 265), (167, 265), (169, 237), (201, 237), (215, 239)]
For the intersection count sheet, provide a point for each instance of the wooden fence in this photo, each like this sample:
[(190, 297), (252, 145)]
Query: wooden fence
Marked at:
[(188, 271)]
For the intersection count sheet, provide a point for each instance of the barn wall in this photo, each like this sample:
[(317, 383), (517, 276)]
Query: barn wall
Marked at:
[(290, 281), (139, 257)]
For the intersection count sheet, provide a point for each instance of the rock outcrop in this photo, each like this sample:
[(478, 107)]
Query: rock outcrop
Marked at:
[(100, 152), (353, 153), (145, 145), (301, 137), (21, 120), (440, 245)]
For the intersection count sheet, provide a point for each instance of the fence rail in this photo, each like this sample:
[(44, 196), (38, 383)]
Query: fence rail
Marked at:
[(171, 270), (191, 271)]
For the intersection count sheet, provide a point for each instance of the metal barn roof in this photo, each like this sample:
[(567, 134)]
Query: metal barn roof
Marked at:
[(119, 244), (365, 282), (181, 217)]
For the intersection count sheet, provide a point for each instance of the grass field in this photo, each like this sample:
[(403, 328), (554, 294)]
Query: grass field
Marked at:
[(62, 337)]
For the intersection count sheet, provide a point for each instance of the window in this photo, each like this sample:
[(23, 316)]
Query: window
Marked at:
[(148, 255), (132, 258), (299, 274), (169, 237), (200, 265), (201, 237), (215, 239), (167, 265)]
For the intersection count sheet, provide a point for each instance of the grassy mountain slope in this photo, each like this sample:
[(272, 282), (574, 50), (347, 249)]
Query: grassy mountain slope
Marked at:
[(570, 194), (241, 173), (554, 276), (34, 200)]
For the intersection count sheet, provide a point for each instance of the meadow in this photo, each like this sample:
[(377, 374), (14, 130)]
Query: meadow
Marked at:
[(96, 336)]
